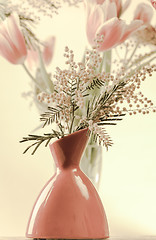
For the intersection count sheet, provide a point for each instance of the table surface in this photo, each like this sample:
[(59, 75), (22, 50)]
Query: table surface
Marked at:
[(110, 238)]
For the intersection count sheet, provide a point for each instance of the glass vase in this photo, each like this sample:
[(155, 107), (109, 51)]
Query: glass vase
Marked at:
[(91, 163)]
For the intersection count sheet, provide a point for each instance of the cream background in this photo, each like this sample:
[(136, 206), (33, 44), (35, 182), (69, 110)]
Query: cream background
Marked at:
[(128, 183)]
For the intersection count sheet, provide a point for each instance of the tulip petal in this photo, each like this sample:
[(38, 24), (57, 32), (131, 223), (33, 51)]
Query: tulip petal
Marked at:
[(49, 50), (143, 12), (112, 30), (15, 33), (130, 29), (125, 5), (94, 20), (100, 1), (12, 44), (119, 6), (32, 58), (109, 9), (6, 50), (153, 3)]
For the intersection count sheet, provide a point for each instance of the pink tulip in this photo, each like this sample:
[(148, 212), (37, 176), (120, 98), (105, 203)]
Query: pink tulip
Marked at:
[(153, 3), (119, 6), (125, 5), (111, 30), (130, 29), (99, 1), (48, 50), (116, 2), (12, 43), (102, 21), (143, 12), (96, 16), (47, 53)]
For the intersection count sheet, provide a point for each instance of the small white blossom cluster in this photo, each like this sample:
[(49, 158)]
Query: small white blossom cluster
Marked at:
[(135, 99), (86, 70), (33, 9), (73, 2), (79, 99), (70, 84), (76, 108), (77, 77)]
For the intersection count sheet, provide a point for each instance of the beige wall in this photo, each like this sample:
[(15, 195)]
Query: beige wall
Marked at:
[(128, 183)]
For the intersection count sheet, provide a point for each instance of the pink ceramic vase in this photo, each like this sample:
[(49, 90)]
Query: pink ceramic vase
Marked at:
[(69, 206)]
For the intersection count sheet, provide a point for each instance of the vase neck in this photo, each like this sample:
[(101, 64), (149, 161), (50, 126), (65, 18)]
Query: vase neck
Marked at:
[(68, 150)]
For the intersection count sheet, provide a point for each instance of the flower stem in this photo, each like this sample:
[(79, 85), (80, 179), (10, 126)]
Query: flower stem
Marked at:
[(72, 121), (130, 58), (107, 61), (137, 68), (32, 78), (48, 82)]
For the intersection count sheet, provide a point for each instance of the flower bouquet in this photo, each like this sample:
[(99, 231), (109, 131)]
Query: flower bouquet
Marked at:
[(95, 92)]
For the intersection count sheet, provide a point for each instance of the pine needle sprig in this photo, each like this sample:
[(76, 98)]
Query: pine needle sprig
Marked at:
[(39, 139), (72, 87), (50, 116), (96, 83), (102, 138), (110, 120)]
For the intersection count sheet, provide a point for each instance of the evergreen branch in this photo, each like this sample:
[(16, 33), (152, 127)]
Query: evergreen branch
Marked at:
[(108, 121), (104, 102), (88, 109), (95, 83), (103, 138), (72, 121), (107, 96), (40, 139), (50, 116), (112, 119), (105, 123), (82, 126), (73, 87)]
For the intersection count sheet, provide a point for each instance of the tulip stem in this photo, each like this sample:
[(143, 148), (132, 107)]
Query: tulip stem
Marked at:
[(107, 61), (130, 58), (117, 53), (49, 84), (32, 78), (101, 65)]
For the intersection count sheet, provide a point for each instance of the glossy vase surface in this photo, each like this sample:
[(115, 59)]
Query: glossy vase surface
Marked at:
[(69, 206)]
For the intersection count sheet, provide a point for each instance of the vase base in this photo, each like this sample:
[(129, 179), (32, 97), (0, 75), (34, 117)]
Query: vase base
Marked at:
[(68, 238)]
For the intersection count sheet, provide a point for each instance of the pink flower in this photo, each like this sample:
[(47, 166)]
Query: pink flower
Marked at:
[(47, 53), (102, 21), (119, 6), (143, 12), (12, 43), (48, 50), (153, 3)]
